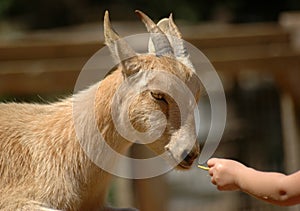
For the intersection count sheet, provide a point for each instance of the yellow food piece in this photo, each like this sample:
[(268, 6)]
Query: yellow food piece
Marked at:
[(203, 167)]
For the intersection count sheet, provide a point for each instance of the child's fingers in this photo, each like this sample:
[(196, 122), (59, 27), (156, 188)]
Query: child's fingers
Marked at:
[(211, 162), (213, 181), (211, 171)]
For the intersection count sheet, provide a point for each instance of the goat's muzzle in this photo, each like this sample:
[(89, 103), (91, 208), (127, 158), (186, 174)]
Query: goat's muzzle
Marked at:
[(189, 157)]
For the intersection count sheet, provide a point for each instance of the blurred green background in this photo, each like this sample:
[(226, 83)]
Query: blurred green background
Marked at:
[(46, 14)]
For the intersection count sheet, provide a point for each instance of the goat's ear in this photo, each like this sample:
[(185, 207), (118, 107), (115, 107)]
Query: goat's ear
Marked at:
[(118, 47)]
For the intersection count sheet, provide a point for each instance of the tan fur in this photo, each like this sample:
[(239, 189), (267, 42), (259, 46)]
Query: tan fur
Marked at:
[(42, 165)]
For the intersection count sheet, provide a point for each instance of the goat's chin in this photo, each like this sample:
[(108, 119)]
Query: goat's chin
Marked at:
[(183, 166)]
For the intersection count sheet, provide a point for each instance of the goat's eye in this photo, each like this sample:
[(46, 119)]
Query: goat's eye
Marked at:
[(158, 96)]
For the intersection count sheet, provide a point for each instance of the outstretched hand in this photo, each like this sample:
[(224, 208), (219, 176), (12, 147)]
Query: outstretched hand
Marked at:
[(272, 187), (225, 173)]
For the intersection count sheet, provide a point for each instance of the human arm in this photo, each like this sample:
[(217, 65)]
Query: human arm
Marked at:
[(275, 188)]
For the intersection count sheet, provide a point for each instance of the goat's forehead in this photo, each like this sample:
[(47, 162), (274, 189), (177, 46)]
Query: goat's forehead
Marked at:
[(166, 64)]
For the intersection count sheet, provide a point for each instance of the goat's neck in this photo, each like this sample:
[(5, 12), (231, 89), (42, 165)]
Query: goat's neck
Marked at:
[(92, 114), (94, 127), (93, 120)]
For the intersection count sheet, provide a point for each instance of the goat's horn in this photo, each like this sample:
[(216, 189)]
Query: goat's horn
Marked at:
[(179, 47), (109, 33), (160, 40), (118, 47), (173, 27)]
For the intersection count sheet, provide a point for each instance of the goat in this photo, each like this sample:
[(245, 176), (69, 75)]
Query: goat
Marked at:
[(42, 163)]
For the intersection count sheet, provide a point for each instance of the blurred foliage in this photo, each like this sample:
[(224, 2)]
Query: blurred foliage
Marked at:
[(53, 13)]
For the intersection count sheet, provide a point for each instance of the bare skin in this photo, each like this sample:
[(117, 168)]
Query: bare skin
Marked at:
[(272, 187)]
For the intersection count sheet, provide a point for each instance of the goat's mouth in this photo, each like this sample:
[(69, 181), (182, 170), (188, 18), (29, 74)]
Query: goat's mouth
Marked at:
[(189, 158), (183, 165), (186, 163)]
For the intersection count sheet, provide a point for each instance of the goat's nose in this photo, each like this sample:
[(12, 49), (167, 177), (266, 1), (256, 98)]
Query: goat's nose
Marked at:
[(189, 157)]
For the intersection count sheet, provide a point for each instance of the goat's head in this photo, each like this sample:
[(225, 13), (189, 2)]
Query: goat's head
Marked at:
[(147, 73)]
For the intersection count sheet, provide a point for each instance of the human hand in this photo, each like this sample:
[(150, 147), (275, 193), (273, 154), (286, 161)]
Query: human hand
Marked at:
[(225, 173)]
